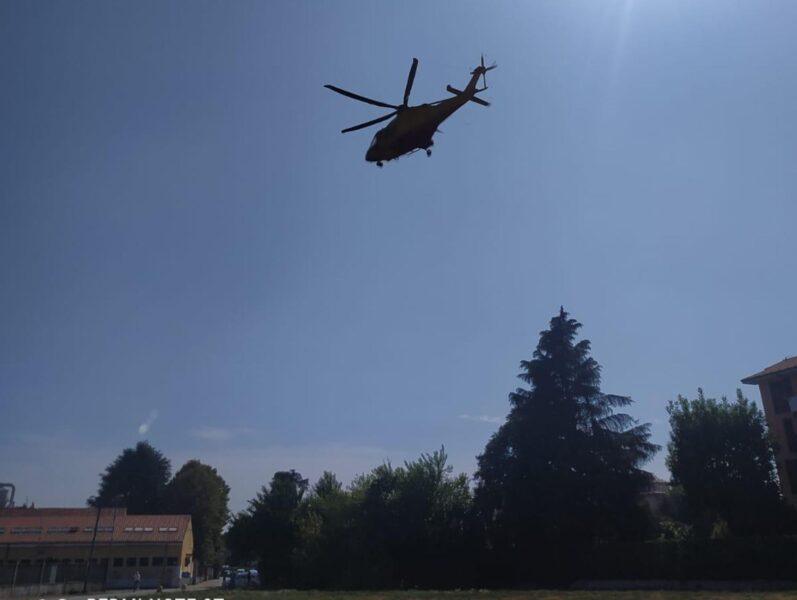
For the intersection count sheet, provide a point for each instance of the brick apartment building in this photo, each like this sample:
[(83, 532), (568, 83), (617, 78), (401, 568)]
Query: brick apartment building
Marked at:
[(778, 386)]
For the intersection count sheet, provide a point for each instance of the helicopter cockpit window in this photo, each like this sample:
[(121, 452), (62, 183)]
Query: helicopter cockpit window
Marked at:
[(373, 141)]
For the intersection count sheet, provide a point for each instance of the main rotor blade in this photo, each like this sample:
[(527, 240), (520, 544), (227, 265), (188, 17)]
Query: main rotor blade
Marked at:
[(410, 80), (360, 98), (368, 124)]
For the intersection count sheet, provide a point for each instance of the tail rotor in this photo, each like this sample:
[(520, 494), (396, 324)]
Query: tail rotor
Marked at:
[(482, 70)]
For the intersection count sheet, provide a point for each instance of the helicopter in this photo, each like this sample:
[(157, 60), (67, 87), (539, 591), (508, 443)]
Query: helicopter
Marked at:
[(413, 126)]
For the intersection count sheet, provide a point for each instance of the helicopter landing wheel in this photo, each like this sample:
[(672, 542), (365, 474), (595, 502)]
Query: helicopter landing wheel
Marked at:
[(379, 164), (428, 152)]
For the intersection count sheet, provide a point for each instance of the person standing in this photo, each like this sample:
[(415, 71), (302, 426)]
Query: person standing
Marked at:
[(137, 580)]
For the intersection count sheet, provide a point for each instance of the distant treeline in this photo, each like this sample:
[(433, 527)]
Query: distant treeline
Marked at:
[(559, 494)]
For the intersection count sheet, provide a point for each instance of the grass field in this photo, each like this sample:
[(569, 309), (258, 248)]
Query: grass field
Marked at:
[(502, 595)]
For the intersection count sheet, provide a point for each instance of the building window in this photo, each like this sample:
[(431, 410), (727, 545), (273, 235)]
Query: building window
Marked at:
[(143, 561), (24, 562), (791, 438), (171, 561), (99, 529), (791, 473), (63, 529), (79, 561), (157, 561), (118, 562), (131, 562), (26, 530), (780, 392)]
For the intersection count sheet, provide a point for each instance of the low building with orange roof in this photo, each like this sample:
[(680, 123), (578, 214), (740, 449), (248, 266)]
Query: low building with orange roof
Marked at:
[(54, 550)]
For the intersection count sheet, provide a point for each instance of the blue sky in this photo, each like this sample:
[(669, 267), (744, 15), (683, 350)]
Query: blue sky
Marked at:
[(188, 245)]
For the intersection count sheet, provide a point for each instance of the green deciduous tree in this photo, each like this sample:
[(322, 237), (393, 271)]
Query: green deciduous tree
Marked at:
[(198, 490), (564, 467), (274, 521), (393, 527), (413, 525), (137, 479), (722, 456), (239, 539), (327, 555)]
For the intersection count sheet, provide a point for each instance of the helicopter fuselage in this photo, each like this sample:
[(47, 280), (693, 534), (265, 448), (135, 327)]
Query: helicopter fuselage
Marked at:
[(412, 129)]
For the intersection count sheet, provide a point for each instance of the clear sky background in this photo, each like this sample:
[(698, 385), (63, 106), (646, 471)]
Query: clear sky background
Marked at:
[(191, 253)]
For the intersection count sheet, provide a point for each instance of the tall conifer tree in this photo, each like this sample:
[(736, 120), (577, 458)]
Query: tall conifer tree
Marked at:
[(564, 467)]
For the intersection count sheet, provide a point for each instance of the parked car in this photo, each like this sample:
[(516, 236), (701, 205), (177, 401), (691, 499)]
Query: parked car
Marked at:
[(240, 578), (227, 574), (247, 578)]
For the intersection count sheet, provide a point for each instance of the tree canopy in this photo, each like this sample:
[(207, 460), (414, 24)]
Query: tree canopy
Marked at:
[(564, 465), (721, 454), (273, 525), (198, 490), (393, 526), (558, 483), (137, 479)]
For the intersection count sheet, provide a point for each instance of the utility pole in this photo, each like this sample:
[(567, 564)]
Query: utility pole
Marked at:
[(14, 580), (91, 550)]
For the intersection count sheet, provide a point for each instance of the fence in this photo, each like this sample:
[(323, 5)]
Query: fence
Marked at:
[(735, 559), (43, 577)]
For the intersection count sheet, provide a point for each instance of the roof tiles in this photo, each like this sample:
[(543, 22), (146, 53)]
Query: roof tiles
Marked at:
[(65, 525), (787, 364)]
